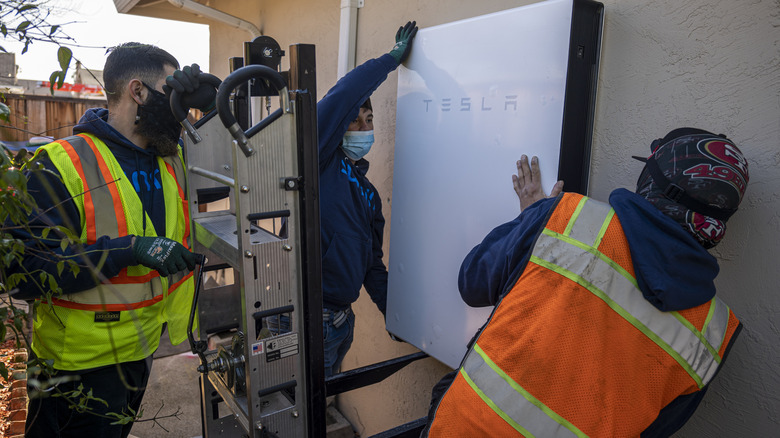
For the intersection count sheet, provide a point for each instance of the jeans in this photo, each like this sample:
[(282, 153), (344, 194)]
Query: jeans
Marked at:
[(278, 324), (51, 417), (337, 341)]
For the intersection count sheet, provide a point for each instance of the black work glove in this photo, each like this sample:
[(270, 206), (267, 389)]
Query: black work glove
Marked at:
[(164, 255), (194, 94), (403, 41)]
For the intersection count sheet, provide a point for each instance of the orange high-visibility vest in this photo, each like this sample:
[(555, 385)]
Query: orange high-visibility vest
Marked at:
[(121, 320), (574, 349)]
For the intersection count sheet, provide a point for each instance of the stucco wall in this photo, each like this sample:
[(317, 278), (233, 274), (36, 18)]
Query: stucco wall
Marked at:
[(714, 65), (665, 64), (228, 41)]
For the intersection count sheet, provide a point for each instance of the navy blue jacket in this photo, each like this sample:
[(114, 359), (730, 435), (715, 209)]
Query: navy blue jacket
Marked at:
[(56, 208), (673, 270), (351, 218)]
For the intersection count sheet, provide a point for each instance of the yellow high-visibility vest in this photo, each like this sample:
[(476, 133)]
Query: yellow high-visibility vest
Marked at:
[(120, 320)]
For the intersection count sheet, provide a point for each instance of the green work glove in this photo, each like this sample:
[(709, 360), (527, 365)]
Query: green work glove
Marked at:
[(164, 255), (403, 41), (186, 82)]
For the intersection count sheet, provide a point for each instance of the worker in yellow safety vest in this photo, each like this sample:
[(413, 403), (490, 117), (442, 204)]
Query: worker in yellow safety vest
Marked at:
[(118, 185), (606, 322)]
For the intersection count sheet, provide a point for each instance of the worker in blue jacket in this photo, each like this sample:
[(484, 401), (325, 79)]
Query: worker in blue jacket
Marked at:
[(350, 206)]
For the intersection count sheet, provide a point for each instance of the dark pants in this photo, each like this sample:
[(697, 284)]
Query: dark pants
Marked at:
[(121, 386), (337, 340)]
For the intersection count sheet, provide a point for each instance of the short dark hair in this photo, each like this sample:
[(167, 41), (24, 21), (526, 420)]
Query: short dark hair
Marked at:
[(367, 104), (134, 60)]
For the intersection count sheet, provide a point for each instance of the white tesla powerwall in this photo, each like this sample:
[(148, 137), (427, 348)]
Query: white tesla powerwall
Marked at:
[(473, 97)]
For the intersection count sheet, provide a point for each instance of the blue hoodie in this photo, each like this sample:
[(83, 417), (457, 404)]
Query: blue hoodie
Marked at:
[(136, 163), (673, 270), (351, 218)]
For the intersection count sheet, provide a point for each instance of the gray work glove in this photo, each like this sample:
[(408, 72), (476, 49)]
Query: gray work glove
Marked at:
[(194, 94), (164, 255), (403, 41)]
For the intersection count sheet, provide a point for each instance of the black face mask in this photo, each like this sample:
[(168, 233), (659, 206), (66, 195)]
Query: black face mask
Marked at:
[(155, 122)]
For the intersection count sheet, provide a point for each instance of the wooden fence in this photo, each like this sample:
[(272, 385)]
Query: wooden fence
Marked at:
[(52, 116)]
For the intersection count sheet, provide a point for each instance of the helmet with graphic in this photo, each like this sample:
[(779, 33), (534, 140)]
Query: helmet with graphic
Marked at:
[(697, 178)]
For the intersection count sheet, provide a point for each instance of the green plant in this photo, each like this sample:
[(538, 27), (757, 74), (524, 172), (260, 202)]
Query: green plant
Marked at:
[(27, 21), (16, 207)]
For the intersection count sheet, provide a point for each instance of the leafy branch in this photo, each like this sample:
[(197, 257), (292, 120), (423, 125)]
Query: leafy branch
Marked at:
[(28, 21), (157, 417), (83, 401)]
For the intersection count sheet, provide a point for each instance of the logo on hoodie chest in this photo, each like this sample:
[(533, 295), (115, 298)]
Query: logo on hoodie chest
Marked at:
[(149, 179), (365, 192)]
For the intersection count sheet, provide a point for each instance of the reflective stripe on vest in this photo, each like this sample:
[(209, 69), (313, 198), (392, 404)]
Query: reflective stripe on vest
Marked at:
[(581, 263), (87, 164), (101, 184), (573, 252), (500, 392), (95, 180), (98, 170)]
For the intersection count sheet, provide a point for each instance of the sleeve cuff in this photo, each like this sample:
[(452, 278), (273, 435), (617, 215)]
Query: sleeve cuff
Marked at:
[(122, 254), (389, 61)]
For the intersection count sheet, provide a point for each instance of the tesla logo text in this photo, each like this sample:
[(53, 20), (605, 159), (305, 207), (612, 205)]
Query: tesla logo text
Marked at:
[(448, 104)]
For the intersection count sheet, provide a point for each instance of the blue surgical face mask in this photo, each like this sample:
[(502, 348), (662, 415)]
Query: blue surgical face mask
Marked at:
[(357, 143)]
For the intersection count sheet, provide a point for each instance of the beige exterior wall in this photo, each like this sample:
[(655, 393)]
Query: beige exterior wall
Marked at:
[(705, 63)]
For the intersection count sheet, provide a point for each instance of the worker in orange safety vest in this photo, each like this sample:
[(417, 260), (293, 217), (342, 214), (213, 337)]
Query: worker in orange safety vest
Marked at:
[(606, 322)]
